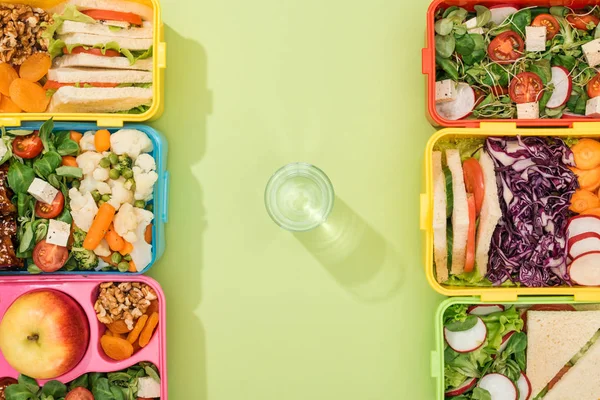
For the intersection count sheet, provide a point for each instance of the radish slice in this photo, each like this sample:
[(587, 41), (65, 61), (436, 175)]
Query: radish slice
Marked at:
[(524, 387), (469, 340), (485, 309), (499, 387), (465, 387), (461, 106), (584, 243), (500, 13), (583, 224), (505, 340), (563, 84), (585, 269)]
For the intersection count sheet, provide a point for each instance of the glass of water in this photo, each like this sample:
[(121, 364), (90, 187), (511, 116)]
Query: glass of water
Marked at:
[(299, 197)]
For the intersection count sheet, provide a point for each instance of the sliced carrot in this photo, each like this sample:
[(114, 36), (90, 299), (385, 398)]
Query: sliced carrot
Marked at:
[(592, 211), (470, 258), (7, 76), (584, 200), (99, 227), (588, 179), (127, 248), (102, 140), (76, 136), (115, 242), (8, 106), (69, 161), (132, 267), (587, 154), (148, 234)]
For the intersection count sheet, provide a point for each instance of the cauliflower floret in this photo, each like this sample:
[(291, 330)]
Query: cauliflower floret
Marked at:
[(89, 184), (83, 209), (88, 161), (101, 174), (142, 251), (146, 162), (126, 223), (102, 249), (120, 193), (131, 142), (144, 183), (87, 142)]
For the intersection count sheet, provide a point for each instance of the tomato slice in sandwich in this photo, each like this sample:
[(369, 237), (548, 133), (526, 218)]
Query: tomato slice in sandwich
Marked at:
[(474, 182), (108, 15), (53, 85), (470, 257), (95, 52)]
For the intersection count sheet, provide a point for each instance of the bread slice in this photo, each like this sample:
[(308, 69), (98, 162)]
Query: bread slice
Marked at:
[(460, 212), (70, 99), (93, 61), (145, 32), (75, 75), (440, 241), (142, 8), (87, 39), (490, 213), (554, 337)]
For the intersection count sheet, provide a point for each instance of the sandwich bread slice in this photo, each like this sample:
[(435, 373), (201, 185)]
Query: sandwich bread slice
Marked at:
[(73, 27), (93, 75), (141, 8), (460, 212), (99, 61), (440, 240), (71, 99)]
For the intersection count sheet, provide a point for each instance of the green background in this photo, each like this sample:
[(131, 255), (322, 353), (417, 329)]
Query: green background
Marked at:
[(256, 312)]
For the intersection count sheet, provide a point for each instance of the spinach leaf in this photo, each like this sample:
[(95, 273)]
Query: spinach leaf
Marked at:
[(20, 177), (449, 10), (27, 238), (19, 392), (444, 26), (55, 389), (457, 15), (25, 204), (444, 45), (70, 172), (65, 216), (54, 180), (449, 66), (542, 69), (459, 326), (464, 44), (520, 20), (44, 133), (6, 143), (495, 75), (566, 61), (94, 377), (29, 383), (517, 343), (117, 393), (33, 269), (474, 57), (151, 371), (481, 394), (484, 15), (101, 390), (577, 101), (47, 164), (546, 97), (19, 132), (64, 145)]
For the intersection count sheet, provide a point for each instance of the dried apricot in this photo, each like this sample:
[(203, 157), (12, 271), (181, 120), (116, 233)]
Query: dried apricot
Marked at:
[(8, 106), (7, 76), (35, 67), (116, 348), (28, 95), (153, 308), (148, 330), (118, 327), (135, 333), (119, 335)]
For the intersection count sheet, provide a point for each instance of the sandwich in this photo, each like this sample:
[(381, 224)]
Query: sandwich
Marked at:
[(440, 240), (563, 354)]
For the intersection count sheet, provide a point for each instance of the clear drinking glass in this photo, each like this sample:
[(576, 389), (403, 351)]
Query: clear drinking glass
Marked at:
[(299, 197)]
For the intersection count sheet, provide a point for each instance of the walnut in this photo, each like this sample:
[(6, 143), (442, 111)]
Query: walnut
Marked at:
[(125, 301), (22, 28)]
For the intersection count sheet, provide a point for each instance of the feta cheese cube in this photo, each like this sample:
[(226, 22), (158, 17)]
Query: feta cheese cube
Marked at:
[(477, 30), (445, 91), (592, 52), (148, 388), (528, 110), (58, 233), (535, 38), (592, 107), (42, 191)]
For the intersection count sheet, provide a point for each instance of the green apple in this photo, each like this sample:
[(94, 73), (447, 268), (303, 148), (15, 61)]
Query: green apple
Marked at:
[(44, 334)]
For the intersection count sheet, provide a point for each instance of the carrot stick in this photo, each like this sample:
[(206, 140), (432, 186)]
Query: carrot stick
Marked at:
[(132, 267), (115, 242), (69, 161), (587, 154), (99, 227), (584, 200), (148, 234), (128, 248), (102, 140), (76, 136)]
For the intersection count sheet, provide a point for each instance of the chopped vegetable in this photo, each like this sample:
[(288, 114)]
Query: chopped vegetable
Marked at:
[(584, 200), (104, 218)]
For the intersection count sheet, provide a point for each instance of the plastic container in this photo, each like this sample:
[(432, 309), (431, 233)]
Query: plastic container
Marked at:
[(160, 195), (106, 119), (85, 290), (428, 59)]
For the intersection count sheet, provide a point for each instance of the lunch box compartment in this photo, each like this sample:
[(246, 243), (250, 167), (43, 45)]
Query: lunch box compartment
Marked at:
[(429, 64), (160, 194), (85, 290), (159, 63)]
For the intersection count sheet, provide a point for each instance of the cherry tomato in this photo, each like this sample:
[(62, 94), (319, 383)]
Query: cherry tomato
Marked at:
[(95, 52), (558, 377), (27, 146), (551, 24), (108, 15), (4, 383), (80, 393), (506, 48), (526, 87), (474, 182), (583, 22), (593, 87), (545, 307), (49, 257), (49, 211), (470, 256)]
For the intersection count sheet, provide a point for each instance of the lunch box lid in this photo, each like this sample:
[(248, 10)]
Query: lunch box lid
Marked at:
[(159, 63)]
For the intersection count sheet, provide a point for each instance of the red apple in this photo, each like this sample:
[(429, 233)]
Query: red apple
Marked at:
[(44, 334)]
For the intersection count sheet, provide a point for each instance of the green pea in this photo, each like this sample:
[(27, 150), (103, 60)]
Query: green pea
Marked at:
[(106, 197), (150, 207), (127, 173), (105, 163), (113, 158), (123, 266), (127, 258), (76, 183), (116, 258), (96, 195), (101, 202), (140, 204), (114, 174)]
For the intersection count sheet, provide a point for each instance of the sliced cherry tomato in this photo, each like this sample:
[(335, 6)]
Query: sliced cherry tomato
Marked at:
[(57, 85), (27, 146), (80, 393), (506, 48), (470, 258), (545, 307), (4, 383), (551, 24), (558, 377), (108, 15), (474, 183), (49, 257), (49, 211), (95, 52), (584, 22), (593, 87), (526, 87)]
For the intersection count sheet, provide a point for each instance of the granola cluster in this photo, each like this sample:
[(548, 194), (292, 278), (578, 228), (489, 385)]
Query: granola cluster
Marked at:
[(125, 301), (22, 27)]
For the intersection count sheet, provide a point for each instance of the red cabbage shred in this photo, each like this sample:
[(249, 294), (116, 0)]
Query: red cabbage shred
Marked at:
[(535, 187)]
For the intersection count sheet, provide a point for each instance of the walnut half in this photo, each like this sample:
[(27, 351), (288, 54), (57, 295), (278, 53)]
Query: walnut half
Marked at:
[(22, 28)]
